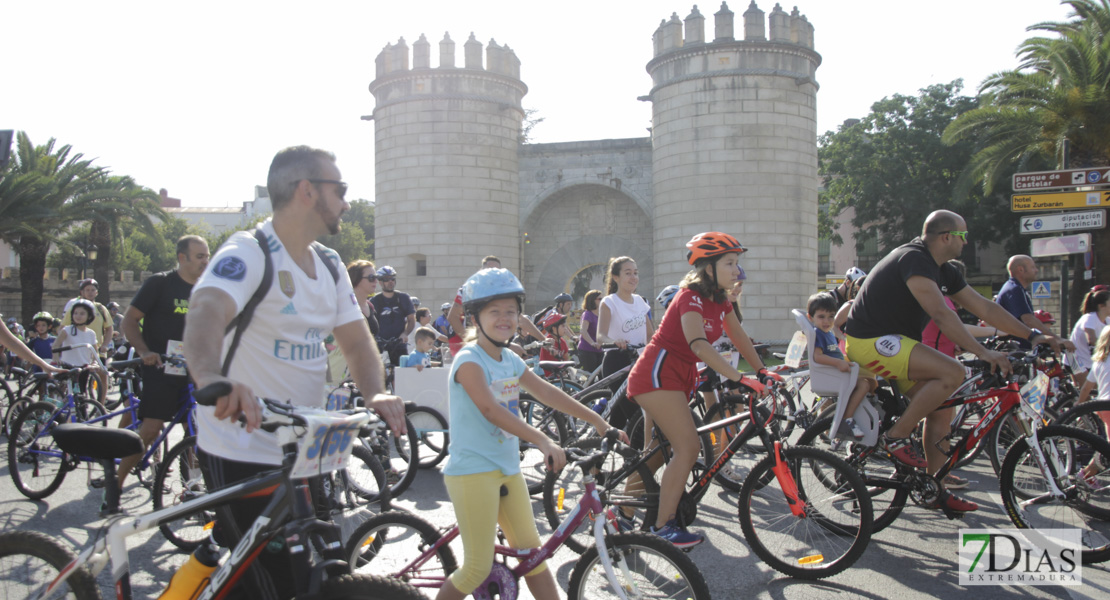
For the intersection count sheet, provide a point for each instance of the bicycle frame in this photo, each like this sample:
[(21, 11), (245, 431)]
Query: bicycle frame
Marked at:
[(529, 558)]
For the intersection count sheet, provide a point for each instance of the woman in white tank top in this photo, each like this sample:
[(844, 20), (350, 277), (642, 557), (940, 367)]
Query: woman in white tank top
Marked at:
[(622, 320)]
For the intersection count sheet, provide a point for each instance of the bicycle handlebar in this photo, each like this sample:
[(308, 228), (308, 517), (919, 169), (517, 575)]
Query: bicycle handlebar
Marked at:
[(209, 394)]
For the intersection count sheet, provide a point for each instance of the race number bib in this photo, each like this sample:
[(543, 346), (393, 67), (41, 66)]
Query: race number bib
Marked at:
[(1035, 393), (328, 443), (175, 349), (507, 393), (796, 350)]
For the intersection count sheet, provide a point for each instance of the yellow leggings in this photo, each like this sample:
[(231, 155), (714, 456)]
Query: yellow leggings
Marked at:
[(479, 507)]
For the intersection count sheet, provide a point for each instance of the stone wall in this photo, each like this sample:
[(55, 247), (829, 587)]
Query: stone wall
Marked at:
[(60, 286)]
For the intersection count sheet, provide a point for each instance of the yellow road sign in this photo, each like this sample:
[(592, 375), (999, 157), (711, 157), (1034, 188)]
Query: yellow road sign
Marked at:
[(1059, 201)]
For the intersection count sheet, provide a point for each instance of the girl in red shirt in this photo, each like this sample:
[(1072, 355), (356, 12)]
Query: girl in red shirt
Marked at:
[(666, 374)]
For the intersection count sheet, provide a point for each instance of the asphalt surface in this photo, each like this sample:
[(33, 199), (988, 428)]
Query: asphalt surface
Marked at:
[(914, 558)]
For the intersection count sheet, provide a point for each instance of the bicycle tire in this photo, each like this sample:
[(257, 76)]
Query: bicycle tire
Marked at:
[(568, 483), (553, 424), (368, 587), (396, 454), (659, 569), (365, 475), (7, 396), (837, 522), (1022, 487), (732, 475), (38, 559), (386, 543), (432, 432), (26, 448), (1083, 416), (876, 469), (178, 480), (13, 412), (87, 409)]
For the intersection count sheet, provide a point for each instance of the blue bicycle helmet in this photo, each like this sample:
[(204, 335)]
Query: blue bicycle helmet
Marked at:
[(387, 271), (415, 301), (664, 298), (490, 284)]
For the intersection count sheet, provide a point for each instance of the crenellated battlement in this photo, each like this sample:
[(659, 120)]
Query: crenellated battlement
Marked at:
[(785, 28), (499, 59)]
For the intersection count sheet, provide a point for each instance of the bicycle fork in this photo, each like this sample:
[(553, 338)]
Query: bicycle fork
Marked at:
[(787, 483)]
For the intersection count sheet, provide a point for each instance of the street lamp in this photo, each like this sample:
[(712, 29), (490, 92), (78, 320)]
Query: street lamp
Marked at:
[(89, 254)]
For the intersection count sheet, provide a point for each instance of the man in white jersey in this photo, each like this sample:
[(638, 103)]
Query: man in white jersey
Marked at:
[(281, 354)]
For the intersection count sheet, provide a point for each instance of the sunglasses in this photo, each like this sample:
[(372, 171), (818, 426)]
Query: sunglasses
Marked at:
[(340, 187), (960, 234), (387, 279)]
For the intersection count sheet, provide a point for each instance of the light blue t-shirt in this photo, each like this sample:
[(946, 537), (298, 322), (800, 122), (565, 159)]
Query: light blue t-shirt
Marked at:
[(478, 446), (415, 358)]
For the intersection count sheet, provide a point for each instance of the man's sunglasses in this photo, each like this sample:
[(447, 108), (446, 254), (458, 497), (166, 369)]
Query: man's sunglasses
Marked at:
[(340, 187), (387, 279), (960, 234)]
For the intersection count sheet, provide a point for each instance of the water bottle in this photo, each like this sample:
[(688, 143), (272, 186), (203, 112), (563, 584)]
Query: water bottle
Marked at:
[(599, 406), (193, 576)]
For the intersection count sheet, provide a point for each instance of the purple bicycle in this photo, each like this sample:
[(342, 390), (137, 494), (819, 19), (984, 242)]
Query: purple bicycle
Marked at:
[(620, 565)]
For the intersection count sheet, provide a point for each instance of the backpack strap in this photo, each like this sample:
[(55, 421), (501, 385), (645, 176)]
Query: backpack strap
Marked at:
[(240, 322), (321, 250)]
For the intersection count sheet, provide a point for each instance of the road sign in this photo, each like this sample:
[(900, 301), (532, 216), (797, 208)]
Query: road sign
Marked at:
[(1043, 180), (1042, 289), (1092, 219), (1059, 201), (1065, 244)]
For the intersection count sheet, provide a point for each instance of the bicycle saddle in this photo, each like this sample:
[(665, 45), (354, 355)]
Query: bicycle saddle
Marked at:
[(555, 365), (97, 442)]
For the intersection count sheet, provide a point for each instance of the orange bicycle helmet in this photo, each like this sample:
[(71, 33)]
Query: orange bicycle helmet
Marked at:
[(711, 244)]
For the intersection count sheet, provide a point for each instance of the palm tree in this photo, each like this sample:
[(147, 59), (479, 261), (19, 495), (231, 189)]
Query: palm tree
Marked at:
[(111, 202), (33, 192), (1053, 110)]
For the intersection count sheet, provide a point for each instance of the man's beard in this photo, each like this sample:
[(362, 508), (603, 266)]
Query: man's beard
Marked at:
[(322, 210)]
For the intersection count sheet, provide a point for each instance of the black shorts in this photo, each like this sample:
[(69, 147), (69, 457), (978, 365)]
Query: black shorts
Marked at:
[(162, 394)]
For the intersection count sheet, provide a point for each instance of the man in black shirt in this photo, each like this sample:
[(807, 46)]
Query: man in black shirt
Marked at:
[(396, 314), (161, 306), (884, 326)]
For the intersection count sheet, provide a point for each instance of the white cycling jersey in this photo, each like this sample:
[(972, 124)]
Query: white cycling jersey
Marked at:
[(281, 354)]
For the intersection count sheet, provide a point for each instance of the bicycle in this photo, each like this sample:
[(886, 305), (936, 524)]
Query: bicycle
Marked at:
[(803, 511), (619, 565), (399, 455), (38, 466), (1039, 477), (313, 442)]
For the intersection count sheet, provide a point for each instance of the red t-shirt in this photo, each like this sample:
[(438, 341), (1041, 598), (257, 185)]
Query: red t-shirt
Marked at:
[(670, 335), (555, 354)]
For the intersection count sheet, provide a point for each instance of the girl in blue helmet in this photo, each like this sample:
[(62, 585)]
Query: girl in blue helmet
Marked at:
[(486, 429)]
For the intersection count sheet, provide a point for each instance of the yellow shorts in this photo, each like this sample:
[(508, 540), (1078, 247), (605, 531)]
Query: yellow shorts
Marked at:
[(887, 356)]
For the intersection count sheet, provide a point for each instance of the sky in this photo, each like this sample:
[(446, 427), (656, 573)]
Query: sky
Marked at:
[(196, 97)]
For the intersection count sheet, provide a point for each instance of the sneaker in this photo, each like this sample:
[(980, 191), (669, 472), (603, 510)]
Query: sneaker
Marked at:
[(620, 522), (848, 428), (904, 451), (97, 483), (953, 482), (953, 503), (677, 536)]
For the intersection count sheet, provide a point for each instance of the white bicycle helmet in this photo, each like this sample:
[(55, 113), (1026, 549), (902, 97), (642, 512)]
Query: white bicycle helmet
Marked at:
[(664, 298), (854, 273)]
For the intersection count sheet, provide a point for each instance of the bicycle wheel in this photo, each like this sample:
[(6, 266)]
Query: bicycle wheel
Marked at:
[(177, 481), (30, 560), (579, 429), (553, 424), (1006, 433), (431, 431), (398, 455), (87, 410), (879, 472), (562, 490), (643, 563), (1086, 502), (13, 411), (366, 587), (365, 476), (388, 542), (731, 476), (36, 464), (1085, 416), (835, 528)]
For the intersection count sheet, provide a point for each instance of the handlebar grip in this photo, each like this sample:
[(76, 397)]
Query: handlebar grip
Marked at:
[(207, 395)]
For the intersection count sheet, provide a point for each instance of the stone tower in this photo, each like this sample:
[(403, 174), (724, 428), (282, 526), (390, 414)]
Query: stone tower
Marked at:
[(445, 149), (734, 149)]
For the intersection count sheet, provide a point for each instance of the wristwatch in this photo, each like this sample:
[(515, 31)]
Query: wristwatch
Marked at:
[(1034, 333)]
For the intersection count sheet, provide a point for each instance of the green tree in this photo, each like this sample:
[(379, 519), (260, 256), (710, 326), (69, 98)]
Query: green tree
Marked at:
[(893, 169), (36, 187), (1052, 111)]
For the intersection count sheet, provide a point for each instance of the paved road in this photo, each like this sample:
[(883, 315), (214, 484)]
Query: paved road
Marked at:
[(914, 558)]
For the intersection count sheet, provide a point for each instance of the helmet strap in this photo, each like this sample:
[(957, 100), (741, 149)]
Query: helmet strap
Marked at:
[(491, 340)]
